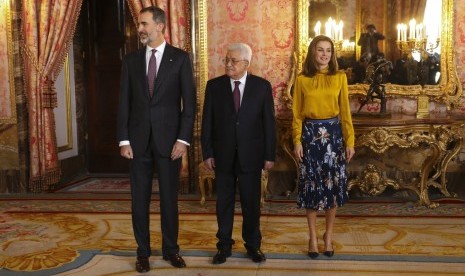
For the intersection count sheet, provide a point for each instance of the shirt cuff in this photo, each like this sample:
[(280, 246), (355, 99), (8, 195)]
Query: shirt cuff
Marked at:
[(124, 143), (184, 142)]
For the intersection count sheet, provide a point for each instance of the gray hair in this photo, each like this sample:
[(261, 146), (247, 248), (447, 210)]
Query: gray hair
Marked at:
[(244, 49)]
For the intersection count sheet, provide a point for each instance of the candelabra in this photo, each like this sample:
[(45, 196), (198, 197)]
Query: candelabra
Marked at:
[(337, 45), (422, 46), (419, 39), (345, 47)]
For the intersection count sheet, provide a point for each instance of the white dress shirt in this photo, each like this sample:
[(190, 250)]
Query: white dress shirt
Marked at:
[(241, 85)]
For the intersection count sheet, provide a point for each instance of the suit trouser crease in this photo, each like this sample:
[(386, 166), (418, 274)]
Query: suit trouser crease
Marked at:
[(141, 175), (249, 189)]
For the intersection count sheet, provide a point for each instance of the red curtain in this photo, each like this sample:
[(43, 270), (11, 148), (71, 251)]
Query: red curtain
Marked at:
[(48, 29)]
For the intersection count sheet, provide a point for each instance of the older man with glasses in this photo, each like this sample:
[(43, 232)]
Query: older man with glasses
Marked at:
[(238, 142)]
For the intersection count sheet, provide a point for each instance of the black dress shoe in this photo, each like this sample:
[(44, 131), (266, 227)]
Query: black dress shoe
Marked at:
[(175, 260), (221, 256), (256, 255), (142, 264)]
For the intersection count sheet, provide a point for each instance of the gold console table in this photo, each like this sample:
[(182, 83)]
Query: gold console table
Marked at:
[(441, 135), (438, 138)]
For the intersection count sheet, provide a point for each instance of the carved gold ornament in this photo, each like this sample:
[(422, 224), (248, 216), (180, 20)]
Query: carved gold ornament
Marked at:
[(442, 141), (372, 181)]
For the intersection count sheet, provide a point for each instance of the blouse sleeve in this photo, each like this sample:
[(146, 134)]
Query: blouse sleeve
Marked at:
[(346, 117), (297, 100)]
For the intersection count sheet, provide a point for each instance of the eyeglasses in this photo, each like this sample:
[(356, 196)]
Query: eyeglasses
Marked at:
[(233, 61)]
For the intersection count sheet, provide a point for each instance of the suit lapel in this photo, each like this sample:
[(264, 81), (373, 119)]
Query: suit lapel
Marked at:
[(229, 93), (163, 70), (143, 69), (247, 92)]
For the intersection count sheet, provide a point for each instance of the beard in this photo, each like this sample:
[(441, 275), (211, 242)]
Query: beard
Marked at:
[(144, 38)]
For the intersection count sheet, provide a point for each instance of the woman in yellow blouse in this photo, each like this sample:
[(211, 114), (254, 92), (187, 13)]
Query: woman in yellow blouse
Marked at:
[(323, 138)]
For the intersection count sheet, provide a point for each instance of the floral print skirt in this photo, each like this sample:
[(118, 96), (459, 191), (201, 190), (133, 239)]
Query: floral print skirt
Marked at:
[(322, 182)]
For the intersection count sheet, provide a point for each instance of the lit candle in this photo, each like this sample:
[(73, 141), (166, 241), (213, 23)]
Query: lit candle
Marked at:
[(398, 32), (412, 24), (328, 29), (335, 29), (404, 32), (421, 34), (332, 28), (341, 25), (425, 35), (317, 28)]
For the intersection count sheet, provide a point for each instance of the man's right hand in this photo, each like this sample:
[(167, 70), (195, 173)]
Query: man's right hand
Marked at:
[(126, 151), (210, 162)]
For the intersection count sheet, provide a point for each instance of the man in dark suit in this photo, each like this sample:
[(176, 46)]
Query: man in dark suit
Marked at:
[(238, 141), (369, 42), (155, 122)]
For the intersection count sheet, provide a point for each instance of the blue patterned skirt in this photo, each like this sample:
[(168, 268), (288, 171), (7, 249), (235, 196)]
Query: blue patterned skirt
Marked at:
[(322, 180)]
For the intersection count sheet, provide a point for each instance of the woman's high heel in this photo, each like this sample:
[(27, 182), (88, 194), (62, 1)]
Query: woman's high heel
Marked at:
[(312, 254), (327, 252)]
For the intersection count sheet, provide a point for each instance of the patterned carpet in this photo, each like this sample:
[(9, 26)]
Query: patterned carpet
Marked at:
[(80, 203), (70, 233)]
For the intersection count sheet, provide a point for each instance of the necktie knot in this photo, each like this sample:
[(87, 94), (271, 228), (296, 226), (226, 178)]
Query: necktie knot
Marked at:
[(237, 95)]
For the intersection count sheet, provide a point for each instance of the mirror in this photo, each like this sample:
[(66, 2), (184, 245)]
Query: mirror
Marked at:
[(447, 90)]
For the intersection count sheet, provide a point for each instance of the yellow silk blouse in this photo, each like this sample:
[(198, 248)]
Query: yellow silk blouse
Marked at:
[(322, 96)]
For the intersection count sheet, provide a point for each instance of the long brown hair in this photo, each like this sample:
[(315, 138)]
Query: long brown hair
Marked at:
[(310, 66)]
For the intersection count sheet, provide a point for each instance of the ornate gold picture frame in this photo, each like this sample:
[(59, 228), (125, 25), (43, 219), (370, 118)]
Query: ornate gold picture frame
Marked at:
[(449, 89)]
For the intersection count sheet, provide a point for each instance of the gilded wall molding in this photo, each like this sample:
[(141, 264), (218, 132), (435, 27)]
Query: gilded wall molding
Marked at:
[(5, 6), (202, 52), (69, 124)]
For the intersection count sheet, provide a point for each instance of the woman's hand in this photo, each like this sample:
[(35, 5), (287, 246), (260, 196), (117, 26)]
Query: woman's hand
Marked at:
[(349, 153), (299, 152)]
